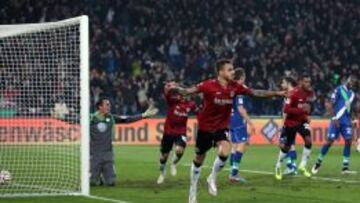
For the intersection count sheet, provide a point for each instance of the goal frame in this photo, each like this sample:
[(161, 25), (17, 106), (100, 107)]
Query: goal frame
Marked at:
[(83, 21)]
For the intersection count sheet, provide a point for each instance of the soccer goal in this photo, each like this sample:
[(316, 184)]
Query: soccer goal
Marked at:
[(44, 108)]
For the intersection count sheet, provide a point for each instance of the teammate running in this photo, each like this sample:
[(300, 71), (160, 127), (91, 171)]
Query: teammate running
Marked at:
[(214, 119), (238, 130), (175, 130), (297, 110), (288, 84), (340, 123)]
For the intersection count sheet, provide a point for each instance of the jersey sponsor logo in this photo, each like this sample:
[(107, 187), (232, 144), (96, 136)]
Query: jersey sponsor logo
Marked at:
[(181, 114), (102, 127), (218, 93), (222, 101)]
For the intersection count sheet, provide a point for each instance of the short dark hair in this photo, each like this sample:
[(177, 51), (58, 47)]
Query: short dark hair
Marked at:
[(239, 72), (290, 80), (100, 102), (304, 75), (220, 64)]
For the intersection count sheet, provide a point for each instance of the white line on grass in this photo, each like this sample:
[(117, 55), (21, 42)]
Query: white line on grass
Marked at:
[(271, 173), (106, 199)]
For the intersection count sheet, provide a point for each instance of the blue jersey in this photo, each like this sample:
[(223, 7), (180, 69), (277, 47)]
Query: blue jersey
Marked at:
[(342, 99), (237, 121)]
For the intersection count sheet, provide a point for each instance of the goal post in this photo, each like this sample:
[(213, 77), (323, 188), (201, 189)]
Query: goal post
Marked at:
[(44, 108)]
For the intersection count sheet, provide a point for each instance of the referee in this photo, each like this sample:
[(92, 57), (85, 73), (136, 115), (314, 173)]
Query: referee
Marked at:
[(102, 131)]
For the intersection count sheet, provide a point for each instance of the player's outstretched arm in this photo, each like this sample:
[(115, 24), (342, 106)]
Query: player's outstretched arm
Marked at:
[(267, 93), (182, 90), (150, 112)]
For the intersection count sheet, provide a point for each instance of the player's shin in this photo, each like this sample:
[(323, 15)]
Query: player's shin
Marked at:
[(306, 155), (281, 157), (235, 163), (194, 178), (346, 154), (195, 172), (176, 158), (292, 157), (324, 150), (219, 163), (305, 158), (162, 165)]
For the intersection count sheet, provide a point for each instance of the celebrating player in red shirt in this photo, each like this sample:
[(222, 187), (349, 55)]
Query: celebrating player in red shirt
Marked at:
[(297, 110), (214, 119), (175, 129)]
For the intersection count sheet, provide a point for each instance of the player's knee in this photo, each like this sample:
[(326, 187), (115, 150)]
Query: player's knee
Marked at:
[(223, 148), (285, 148), (223, 158), (234, 147), (199, 158), (241, 147), (164, 156), (197, 163), (179, 150), (330, 142), (163, 160), (223, 153), (179, 154)]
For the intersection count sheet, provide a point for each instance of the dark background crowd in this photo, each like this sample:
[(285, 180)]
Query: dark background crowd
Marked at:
[(136, 46)]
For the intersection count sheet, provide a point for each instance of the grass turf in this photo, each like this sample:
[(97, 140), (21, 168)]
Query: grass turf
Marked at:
[(137, 170)]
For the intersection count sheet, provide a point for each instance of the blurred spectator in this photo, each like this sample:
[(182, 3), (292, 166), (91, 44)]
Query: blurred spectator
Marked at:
[(138, 45)]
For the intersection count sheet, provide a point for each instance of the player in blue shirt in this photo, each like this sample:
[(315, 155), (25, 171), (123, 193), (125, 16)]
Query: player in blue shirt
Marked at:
[(341, 99), (238, 130)]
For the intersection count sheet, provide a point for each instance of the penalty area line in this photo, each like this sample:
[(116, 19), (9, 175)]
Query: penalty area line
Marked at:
[(271, 173)]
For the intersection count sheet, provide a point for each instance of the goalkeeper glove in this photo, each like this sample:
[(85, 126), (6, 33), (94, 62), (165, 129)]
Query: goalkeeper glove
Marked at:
[(151, 111)]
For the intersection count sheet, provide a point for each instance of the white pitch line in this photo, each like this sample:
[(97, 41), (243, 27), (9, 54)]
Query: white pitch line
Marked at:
[(271, 173), (105, 199)]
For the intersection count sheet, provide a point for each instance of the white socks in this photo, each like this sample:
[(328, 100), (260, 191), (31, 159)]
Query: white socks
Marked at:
[(305, 157), (194, 173), (281, 157)]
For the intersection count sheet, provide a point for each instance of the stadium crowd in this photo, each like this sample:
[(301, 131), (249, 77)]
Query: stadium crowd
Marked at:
[(136, 46)]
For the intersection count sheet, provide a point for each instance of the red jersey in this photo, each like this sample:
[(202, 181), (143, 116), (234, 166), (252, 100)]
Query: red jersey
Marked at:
[(295, 114), (218, 101), (177, 114)]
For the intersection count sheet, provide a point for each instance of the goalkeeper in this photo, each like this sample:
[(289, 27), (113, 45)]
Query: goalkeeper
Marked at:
[(102, 131)]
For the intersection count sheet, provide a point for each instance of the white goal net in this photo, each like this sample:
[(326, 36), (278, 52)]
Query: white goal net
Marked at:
[(44, 104)]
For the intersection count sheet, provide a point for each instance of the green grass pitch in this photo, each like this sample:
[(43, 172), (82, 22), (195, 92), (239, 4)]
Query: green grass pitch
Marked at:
[(137, 170)]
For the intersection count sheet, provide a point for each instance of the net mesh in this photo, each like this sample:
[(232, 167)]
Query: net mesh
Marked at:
[(40, 110)]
